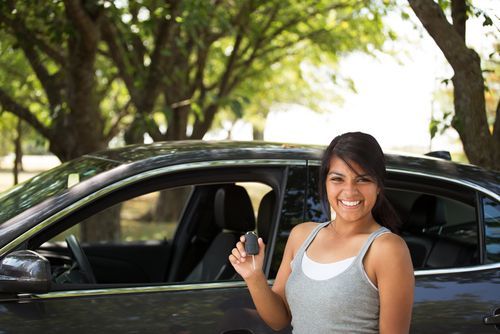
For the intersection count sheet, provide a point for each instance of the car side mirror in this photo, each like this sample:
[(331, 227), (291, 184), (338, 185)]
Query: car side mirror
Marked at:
[(24, 271)]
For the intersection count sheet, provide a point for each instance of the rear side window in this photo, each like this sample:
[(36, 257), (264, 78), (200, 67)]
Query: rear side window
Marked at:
[(491, 214), (440, 232)]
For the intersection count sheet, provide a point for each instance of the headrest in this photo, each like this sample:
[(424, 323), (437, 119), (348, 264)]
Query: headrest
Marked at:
[(265, 214), (233, 209), (427, 211)]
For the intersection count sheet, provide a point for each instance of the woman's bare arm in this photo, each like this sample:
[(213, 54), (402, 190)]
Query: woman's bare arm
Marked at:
[(396, 283), (270, 302)]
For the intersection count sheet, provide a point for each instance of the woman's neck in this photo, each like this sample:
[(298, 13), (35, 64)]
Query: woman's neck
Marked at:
[(346, 228)]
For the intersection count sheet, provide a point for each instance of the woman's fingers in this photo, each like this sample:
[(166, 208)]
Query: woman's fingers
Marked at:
[(238, 256), (241, 248)]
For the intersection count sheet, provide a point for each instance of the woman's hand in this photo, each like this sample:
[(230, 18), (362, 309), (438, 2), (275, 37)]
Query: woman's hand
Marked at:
[(243, 263)]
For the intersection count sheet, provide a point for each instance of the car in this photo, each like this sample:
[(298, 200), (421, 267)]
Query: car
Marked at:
[(136, 239)]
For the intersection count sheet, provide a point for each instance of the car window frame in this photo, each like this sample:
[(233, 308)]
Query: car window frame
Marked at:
[(478, 191), (22, 241)]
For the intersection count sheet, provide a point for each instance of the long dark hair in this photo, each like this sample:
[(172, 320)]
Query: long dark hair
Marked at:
[(365, 151)]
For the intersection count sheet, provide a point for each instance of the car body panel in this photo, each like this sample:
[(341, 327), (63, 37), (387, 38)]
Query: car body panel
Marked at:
[(446, 299)]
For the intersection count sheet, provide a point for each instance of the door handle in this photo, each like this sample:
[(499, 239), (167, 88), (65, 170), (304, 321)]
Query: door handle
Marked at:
[(493, 319)]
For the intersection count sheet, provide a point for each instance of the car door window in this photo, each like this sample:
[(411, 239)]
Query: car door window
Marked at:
[(440, 232), (491, 214), (149, 218), (440, 223), (165, 235)]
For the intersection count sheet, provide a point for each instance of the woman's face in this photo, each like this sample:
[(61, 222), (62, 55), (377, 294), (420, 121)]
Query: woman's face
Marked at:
[(351, 193)]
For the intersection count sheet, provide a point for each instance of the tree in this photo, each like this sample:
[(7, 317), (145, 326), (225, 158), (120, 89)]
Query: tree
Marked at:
[(481, 145), (185, 61), (54, 87)]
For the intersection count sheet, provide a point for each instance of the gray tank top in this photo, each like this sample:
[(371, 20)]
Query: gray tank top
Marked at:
[(346, 303)]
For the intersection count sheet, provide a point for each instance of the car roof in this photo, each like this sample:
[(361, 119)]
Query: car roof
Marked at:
[(167, 153)]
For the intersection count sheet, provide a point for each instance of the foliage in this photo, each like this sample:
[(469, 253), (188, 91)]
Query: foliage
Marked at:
[(53, 77), (232, 56), (82, 72)]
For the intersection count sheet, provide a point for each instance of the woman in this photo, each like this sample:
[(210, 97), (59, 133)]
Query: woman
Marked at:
[(349, 275)]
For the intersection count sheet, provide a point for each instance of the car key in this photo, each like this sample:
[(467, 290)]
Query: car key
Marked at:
[(251, 246)]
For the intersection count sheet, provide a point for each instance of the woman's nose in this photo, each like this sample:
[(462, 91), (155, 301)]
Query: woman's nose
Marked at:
[(351, 187)]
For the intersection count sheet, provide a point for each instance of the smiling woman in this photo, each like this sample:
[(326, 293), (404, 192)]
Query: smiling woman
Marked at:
[(337, 276)]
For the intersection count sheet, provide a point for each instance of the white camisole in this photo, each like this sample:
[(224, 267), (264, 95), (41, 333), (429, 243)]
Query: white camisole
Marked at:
[(322, 271)]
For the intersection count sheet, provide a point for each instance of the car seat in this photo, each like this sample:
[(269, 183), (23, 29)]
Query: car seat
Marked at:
[(265, 215), (426, 212), (234, 215)]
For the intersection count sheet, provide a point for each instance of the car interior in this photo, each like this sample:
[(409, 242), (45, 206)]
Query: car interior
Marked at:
[(216, 212), (439, 232)]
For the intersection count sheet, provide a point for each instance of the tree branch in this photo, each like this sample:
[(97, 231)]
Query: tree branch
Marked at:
[(459, 16), (119, 56), (443, 33), (32, 37), (496, 125), (115, 126), (84, 23), (9, 105)]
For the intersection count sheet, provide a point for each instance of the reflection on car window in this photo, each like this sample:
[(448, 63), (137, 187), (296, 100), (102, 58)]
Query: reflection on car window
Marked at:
[(150, 217), (48, 184), (440, 232), (491, 212)]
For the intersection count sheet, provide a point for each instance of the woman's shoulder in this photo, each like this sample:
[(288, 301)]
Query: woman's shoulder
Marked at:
[(303, 229), (300, 232), (389, 243)]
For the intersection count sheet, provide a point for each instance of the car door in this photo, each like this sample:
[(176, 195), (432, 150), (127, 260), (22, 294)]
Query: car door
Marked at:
[(452, 231), (176, 303), (456, 286)]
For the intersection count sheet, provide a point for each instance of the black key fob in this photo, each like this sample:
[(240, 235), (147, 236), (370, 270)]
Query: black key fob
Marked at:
[(251, 244)]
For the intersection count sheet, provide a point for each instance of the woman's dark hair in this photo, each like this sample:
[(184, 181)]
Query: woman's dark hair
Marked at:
[(365, 151)]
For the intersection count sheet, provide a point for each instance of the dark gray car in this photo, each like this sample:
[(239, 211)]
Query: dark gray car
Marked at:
[(136, 240)]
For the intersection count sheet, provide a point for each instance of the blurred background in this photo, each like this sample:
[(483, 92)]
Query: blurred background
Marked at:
[(81, 76)]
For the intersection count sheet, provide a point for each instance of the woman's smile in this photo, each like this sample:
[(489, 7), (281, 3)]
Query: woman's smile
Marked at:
[(349, 204)]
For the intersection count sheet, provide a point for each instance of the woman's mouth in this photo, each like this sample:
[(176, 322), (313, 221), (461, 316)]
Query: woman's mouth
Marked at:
[(349, 204)]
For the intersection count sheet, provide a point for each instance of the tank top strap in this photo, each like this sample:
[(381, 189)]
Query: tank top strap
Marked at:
[(369, 241), (307, 242)]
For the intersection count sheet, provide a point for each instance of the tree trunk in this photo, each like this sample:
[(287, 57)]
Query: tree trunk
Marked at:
[(177, 123), (258, 134), (169, 205), (470, 114), (470, 121), (18, 160), (201, 126), (103, 226)]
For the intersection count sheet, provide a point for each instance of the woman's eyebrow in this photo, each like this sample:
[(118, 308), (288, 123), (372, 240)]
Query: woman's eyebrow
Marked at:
[(335, 173)]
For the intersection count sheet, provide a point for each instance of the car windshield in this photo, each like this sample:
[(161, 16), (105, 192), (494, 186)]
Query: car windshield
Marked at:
[(50, 183)]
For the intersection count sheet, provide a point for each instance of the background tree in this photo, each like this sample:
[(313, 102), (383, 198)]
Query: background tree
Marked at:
[(481, 144), (58, 84), (61, 97), (185, 61), (178, 63)]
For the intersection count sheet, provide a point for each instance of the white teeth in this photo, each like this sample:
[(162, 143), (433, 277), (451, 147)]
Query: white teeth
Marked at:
[(349, 203)]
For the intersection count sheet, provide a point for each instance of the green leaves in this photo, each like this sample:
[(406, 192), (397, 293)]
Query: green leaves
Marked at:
[(440, 125)]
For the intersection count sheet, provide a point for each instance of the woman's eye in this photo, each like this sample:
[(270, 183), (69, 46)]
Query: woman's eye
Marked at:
[(364, 180), (335, 179)]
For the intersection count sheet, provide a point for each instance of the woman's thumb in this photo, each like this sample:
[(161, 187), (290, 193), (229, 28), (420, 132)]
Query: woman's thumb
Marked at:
[(262, 245)]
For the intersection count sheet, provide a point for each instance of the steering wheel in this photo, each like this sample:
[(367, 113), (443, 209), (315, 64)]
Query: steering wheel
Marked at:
[(81, 259)]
